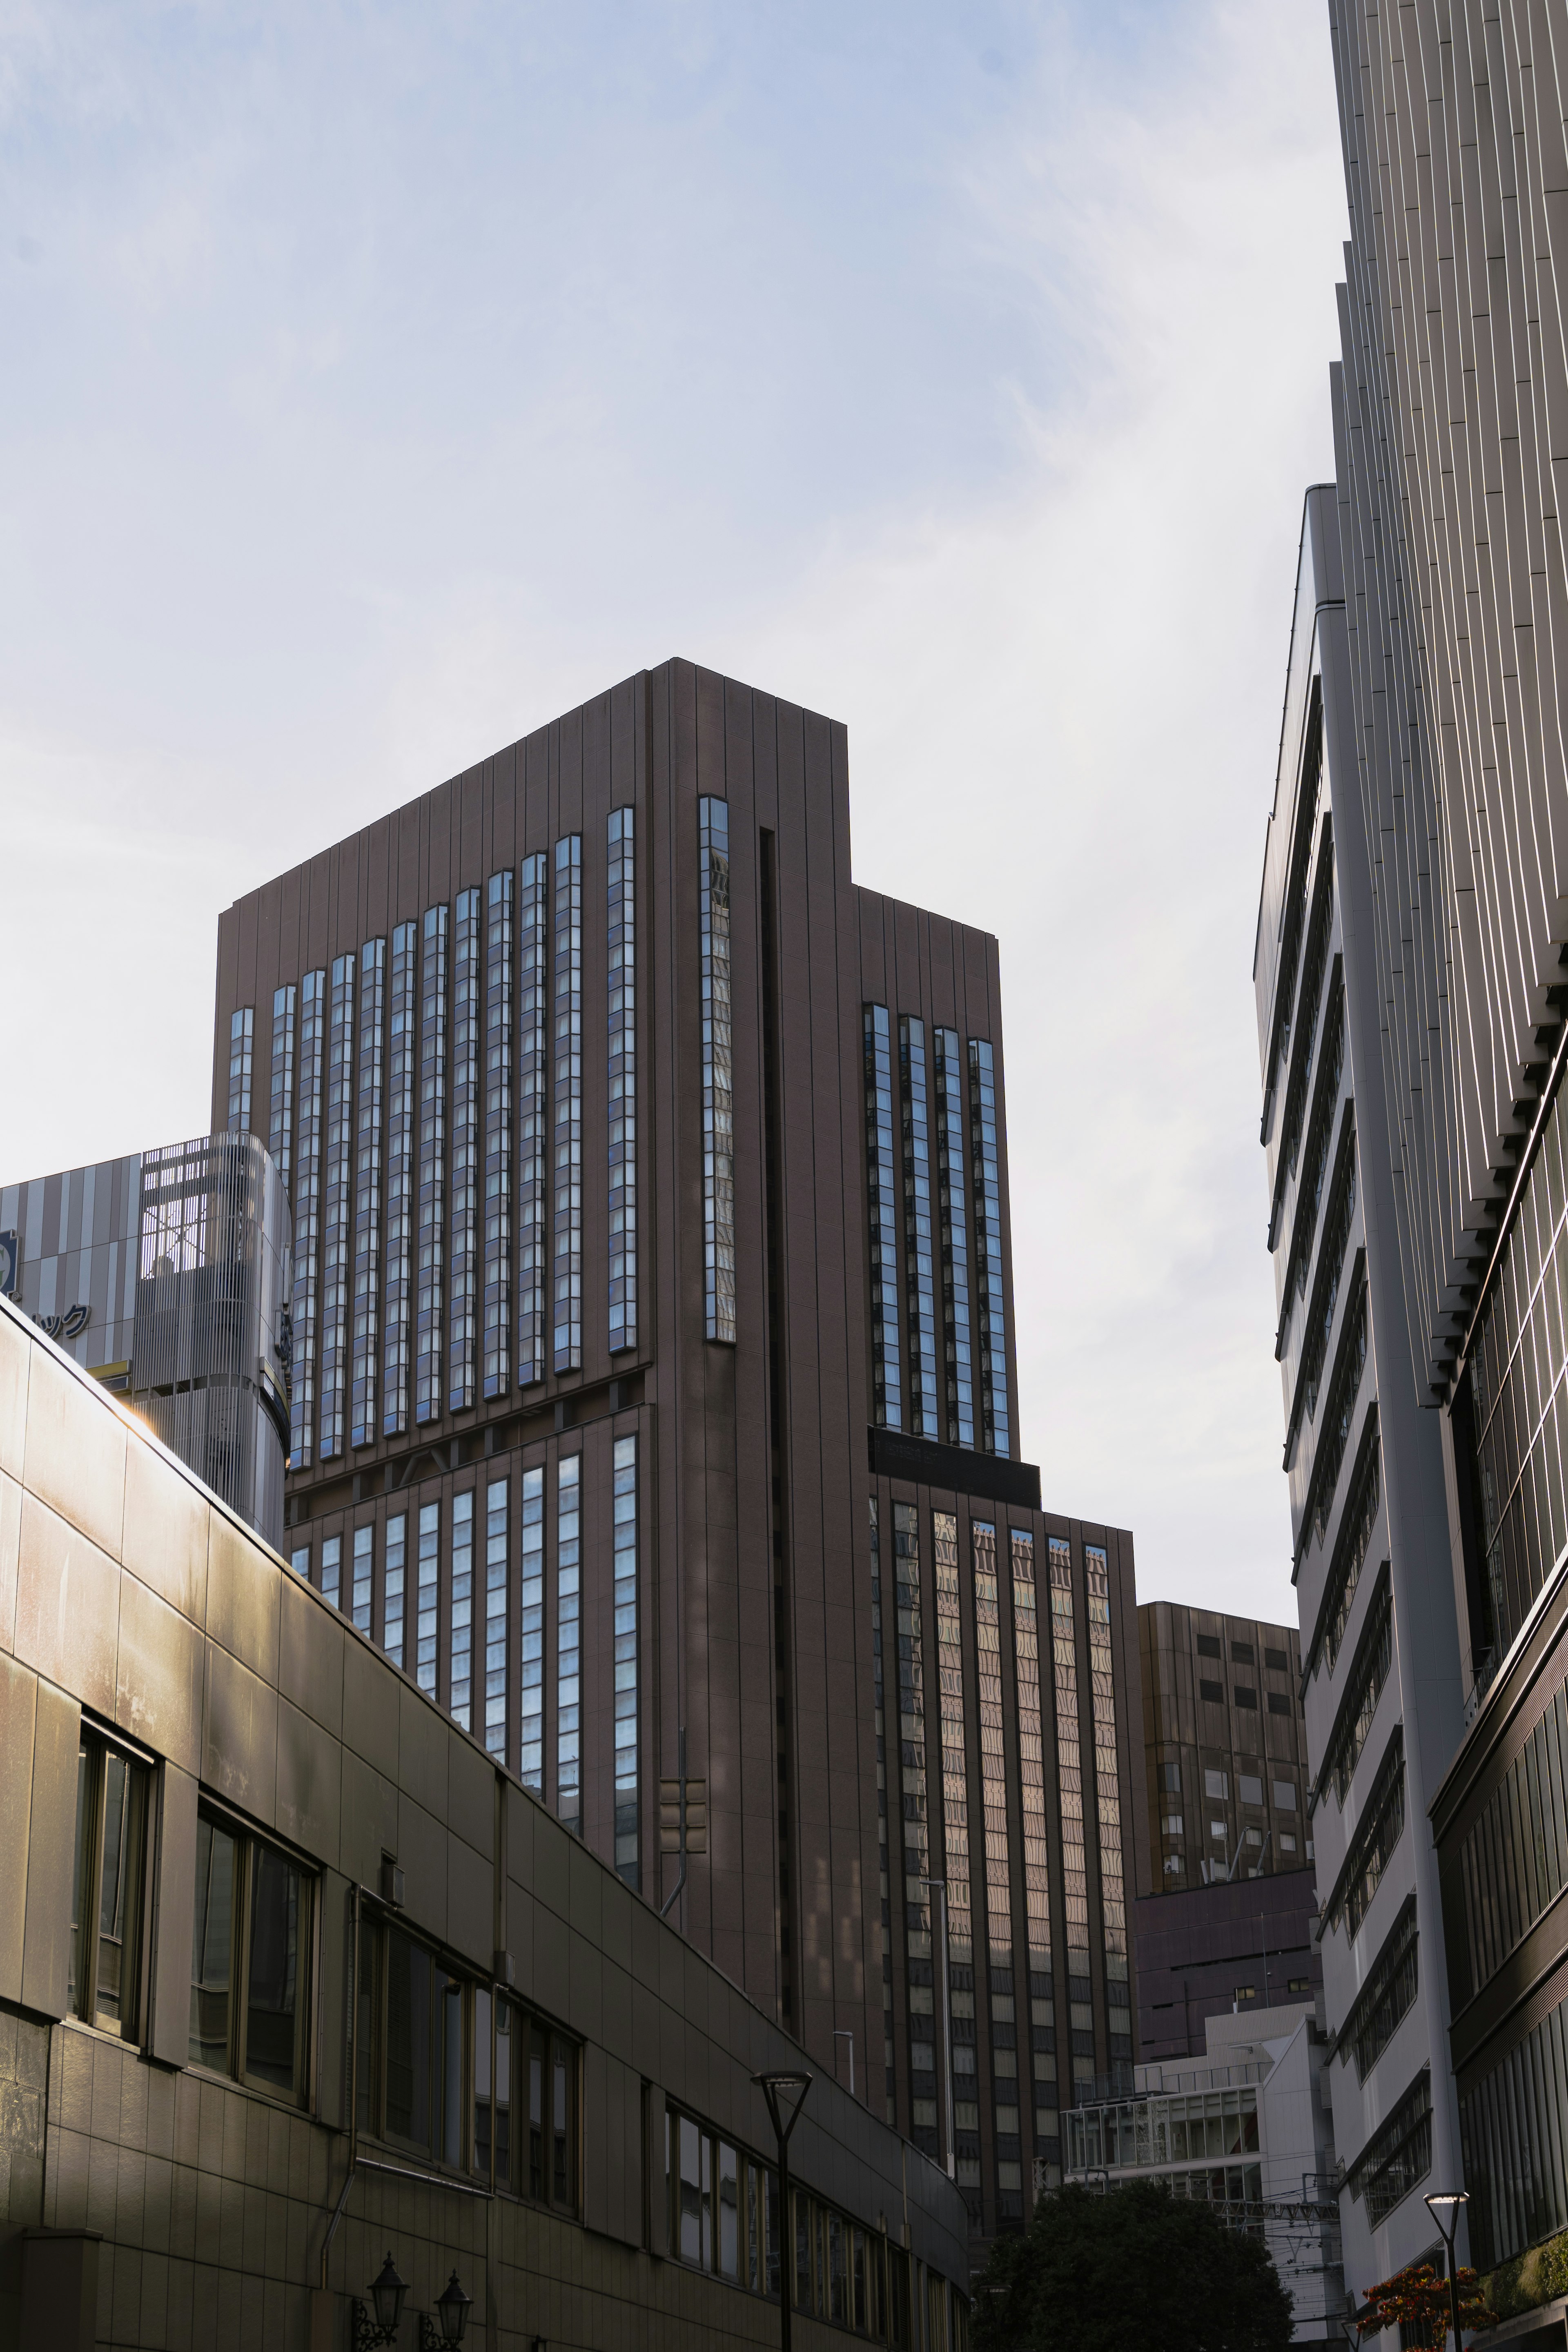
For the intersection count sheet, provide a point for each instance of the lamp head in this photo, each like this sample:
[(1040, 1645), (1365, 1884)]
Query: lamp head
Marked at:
[(386, 2293), (1444, 2207), (454, 2307)]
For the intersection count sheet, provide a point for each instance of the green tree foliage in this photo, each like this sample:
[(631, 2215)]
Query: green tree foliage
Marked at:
[(1135, 2270)]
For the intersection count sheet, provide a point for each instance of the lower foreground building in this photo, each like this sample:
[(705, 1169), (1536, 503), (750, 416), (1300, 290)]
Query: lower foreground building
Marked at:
[(1246, 2129), (293, 1974)]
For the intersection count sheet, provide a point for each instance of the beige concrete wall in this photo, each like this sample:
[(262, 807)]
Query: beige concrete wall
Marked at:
[(129, 1594)]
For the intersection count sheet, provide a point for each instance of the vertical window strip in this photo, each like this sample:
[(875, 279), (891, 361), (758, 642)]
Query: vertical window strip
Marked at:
[(717, 1071), (497, 1137), (428, 1296), (887, 1385), (992, 1757), (367, 1189), (568, 1641), (308, 1221), (464, 1195), (623, 1080), (1070, 1763), (625, 1603), (281, 1124), (363, 1575), (954, 1765), (889, 2075), (986, 1179), (496, 1497), (1031, 1756), (531, 1636), (337, 1238), (917, 1830), (332, 1569), (568, 1103), (460, 1655), (396, 1359), (534, 883), (958, 1346), (393, 1567), (427, 1596), (920, 1280), (241, 1044)]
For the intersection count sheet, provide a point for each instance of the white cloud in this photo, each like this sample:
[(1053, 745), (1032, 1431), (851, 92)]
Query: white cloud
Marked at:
[(970, 402)]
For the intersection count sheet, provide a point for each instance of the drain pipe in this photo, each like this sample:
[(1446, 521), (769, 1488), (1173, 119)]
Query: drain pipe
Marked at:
[(353, 2088)]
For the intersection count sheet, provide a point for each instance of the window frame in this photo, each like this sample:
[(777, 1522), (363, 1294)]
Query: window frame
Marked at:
[(250, 1843), (96, 1744), (485, 2004)]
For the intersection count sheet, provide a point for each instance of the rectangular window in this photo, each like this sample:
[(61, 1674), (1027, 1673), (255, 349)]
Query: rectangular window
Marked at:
[(533, 893), (364, 1565), (427, 1596), (416, 2075), (722, 2206), (280, 1126), (306, 1220), (531, 1636), (300, 1561), (497, 1136), (332, 1569), (624, 1505), (397, 1356), (1208, 1646), (718, 1070), (392, 1606), (1389, 1994), (459, 1656), (568, 1641), (250, 1946), (462, 1254), (1398, 2156), (241, 1041), (919, 1258), (1381, 1825), (495, 1616), (108, 1887), (1276, 1660), (986, 1149), (887, 1346), (951, 1157), (567, 1319), (430, 1290), (367, 1191), (337, 1223), (623, 1079), (1285, 1796)]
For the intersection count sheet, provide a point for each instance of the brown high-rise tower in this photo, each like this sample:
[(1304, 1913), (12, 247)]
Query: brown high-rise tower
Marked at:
[(642, 1166)]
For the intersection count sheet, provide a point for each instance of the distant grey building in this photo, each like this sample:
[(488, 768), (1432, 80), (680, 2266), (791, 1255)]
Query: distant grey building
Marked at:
[(165, 1274), (1380, 1645)]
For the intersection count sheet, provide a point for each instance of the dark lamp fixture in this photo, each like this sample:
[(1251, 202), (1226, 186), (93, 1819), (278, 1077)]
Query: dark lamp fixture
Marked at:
[(380, 2324), (454, 2307)]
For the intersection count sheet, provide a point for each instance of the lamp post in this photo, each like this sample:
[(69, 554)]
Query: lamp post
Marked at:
[(777, 2088), (1448, 2202), (939, 1886), (386, 2292)]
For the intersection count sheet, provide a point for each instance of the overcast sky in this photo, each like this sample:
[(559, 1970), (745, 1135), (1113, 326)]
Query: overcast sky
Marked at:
[(377, 383)]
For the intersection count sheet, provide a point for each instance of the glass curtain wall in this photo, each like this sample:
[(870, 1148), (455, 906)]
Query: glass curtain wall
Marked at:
[(280, 1126), (498, 1140), (568, 1102), (337, 1222), (921, 1987), (428, 1315), (397, 1358), (367, 1189), (887, 1381), (718, 1069), (532, 900), (467, 1015), (624, 1505), (958, 1346), (531, 1635), (984, 1145), (568, 1641), (308, 1220), (919, 1265), (621, 895)]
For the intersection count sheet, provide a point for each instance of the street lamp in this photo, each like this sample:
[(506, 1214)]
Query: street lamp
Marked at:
[(785, 2096), (1448, 2202), (386, 2292), (939, 1886), (454, 2307)]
